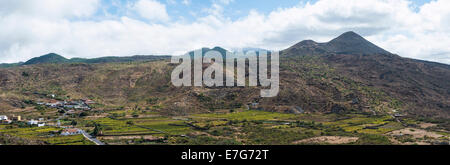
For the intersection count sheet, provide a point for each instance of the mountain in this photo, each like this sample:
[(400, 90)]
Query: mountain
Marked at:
[(249, 49), (48, 58), (347, 43), (55, 58), (206, 50), (346, 75), (418, 87), (8, 65), (118, 59), (352, 43)]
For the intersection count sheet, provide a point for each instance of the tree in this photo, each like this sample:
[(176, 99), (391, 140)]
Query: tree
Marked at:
[(39, 108), (25, 74), (83, 114), (130, 122), (98, 129), (135, 114)]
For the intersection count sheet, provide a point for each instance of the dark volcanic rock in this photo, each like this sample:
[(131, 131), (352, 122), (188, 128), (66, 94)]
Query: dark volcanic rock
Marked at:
[(352, 43)]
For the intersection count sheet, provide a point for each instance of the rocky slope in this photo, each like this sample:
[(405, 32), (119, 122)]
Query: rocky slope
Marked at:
[(346, 75)]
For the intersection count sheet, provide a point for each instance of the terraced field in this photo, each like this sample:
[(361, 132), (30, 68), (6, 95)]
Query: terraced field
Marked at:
[(46, 135), (251, 115), (113, 127), (249, 127)]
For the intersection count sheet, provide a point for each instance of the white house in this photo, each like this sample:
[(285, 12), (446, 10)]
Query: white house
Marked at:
[(72, 131), (54, 103), (41, 124), (3, 117), (32, 122), (82, 107)]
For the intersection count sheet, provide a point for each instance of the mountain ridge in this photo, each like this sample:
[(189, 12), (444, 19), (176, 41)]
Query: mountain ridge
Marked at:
[(352, 43), (48, 58), (312, 78), (346, 43), (56, 58)]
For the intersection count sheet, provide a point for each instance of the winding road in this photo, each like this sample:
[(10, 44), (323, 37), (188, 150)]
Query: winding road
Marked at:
[(92, 139), (85, 134)]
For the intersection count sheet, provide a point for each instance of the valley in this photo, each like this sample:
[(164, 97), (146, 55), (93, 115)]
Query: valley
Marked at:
[(347, 91)]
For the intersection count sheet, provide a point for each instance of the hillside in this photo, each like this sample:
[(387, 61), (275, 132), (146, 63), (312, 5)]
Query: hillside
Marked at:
[(346, 75), (48, 58), (53, 58), (347, 43), (136, 58), (8, 65), (352, 43), (357, 67)]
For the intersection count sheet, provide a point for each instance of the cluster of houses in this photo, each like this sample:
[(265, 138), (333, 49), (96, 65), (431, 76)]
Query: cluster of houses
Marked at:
[(40, 123), (83, 104), (71, 131), (6, 120)]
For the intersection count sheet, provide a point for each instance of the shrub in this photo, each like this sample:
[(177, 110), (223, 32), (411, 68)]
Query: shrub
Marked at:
[(130, 122), (84, 114), (372, 139)]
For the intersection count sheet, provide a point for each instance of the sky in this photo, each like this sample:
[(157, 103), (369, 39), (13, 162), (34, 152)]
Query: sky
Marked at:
[(417, 29)]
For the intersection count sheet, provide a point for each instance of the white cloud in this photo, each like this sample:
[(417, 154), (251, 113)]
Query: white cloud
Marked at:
[(171, 2), (392, 24), (49, 8), (186, 2), (225, 2), (152, 10)]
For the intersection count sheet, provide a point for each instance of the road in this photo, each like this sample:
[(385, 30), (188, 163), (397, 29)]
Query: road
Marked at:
[(92, 139), (85, 134)]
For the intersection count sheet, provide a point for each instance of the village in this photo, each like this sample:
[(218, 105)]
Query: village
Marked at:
[(67, 106), (83, 104)]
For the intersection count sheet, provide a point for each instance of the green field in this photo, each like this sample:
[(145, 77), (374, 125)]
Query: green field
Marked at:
[(251, 115), (248, 127), (120, 127), (46, 135)]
